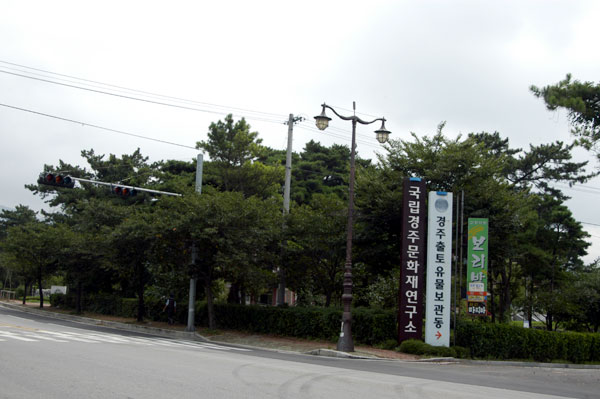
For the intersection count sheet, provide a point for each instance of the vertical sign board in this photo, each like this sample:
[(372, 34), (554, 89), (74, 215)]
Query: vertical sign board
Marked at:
[(439, 269), (477, 266), (410, 304)]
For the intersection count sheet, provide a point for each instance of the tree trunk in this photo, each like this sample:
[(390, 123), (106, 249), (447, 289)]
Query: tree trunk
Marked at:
[(506, 299), (328, 295), (140, 293), (25, 292), (79, 288), (209, 304), (242, 295), (530, 303), (40, 287), (234, 293), (549, 313)]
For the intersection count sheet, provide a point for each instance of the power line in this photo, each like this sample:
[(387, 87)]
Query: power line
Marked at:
[(130, 97), (125, 133), (98, 127), (592, 224), (122, 88), (268, 117), (581, 188)]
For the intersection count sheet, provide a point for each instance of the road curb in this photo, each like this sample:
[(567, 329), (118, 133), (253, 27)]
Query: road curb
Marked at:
[(338, 354)]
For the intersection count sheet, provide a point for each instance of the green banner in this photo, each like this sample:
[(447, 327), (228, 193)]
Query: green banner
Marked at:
[(477, 266)]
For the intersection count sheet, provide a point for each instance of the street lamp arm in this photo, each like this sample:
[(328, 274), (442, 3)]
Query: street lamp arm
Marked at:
[(346, 118), (353, 117), (368, 123)]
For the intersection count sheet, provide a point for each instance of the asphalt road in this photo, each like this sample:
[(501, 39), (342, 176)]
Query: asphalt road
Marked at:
[(48, 358)]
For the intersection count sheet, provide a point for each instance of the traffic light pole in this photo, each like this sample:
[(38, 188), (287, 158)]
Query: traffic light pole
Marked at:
[(192, 297)]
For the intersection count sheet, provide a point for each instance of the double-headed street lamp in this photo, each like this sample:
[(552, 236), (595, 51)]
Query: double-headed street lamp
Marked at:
[(345, 342)]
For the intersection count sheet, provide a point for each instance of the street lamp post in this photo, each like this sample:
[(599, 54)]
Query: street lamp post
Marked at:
[(345, 341)]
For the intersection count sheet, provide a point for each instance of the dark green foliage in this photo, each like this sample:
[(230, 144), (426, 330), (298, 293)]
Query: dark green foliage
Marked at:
[(412, 346), (389, 344), (581, 101), (417, 347), (114, 305), (369, 326), (58, 300), (502, 342)]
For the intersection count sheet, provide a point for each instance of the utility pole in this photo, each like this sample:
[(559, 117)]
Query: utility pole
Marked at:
[(286, 197), (192, 297)]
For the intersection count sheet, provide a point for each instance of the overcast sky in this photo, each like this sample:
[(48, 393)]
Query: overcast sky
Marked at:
[(416, 63)]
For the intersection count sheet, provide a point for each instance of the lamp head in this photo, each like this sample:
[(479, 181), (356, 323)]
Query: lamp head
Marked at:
[(382, 133), (322, 121)]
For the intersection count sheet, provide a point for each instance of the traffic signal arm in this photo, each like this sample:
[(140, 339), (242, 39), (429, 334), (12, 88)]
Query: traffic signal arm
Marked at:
[(130, 189), (59, 180)]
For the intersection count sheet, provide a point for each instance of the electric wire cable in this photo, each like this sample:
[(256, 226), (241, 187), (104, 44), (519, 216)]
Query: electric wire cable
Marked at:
[(97, 126), (126, 89)]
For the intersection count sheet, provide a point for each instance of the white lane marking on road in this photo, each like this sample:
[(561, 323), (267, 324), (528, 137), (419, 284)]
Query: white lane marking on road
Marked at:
[(215, 346), (32, 335), (16, 336), (96, 337), (70, 337), (101, 338)]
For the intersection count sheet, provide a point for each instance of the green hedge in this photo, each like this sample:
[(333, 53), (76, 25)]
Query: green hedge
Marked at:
[(114, 305), (369, 326), (502, 341), (417, 347)]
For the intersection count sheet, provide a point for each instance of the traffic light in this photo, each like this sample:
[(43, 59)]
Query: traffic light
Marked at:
[(57, 180), (124, 191)]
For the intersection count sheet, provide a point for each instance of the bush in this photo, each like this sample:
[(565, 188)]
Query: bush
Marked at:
[(57, 300), (416, 347), (503, 342), (389, 344), (413, 347), (369, 326), (461, 352)]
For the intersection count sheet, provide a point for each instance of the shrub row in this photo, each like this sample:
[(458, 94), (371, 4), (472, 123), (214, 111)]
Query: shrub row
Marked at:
[(114, 305), (417, 347), (502, 341), (369, 326)]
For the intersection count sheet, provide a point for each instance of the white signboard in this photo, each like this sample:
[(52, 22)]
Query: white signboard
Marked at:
[(439, 269)]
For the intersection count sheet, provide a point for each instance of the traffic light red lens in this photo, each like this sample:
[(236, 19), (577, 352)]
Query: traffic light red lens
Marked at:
[(50, 178), (118, 190)]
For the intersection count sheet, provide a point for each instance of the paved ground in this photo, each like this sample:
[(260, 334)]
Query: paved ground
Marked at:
[(235, 337)]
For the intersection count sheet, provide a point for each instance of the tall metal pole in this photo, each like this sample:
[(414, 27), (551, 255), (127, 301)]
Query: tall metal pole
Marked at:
[(286, 203), (288, 166), (192, 296), (345, 342)]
